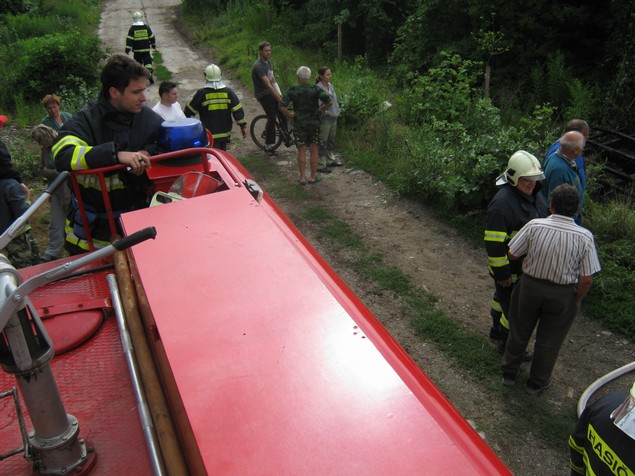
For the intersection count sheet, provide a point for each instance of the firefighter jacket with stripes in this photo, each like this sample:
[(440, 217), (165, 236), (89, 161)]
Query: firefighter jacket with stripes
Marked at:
[(598, 447), (140, 38), (215, 108), (507, 213), (92, 139)]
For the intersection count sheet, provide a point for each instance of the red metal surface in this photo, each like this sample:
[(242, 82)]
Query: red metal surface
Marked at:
[(95, 386), (69, 331), (280, 368)]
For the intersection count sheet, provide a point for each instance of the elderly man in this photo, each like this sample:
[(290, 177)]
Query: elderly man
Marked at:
[(306, 112), (560, 260), (560, 167), (583, 128)]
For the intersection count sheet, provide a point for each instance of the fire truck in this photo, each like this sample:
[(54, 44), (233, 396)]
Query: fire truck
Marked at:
[(211, 338)]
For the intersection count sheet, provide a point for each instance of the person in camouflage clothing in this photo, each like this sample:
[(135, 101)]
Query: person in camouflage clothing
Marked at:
[(23, 250), (306, 114)]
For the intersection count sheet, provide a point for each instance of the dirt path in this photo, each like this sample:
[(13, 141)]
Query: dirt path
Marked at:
[(407, 236)]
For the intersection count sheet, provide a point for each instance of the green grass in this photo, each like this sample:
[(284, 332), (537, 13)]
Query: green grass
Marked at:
[(160, 71)]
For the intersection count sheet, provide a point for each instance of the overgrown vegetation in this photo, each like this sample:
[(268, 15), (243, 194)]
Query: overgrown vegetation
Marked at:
[(432, 135), (50, 46)]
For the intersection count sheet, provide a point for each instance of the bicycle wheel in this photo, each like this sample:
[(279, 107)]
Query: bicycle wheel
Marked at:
[(258, 135)]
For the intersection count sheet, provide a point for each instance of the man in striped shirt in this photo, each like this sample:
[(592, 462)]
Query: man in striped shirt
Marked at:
[(560, 260)]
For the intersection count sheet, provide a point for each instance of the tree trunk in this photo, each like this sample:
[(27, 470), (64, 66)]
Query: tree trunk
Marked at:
[(488, 70), (339, 43)]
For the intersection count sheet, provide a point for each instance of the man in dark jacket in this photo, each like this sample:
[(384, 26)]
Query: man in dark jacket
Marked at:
[(603, 440), (216, 104), (139, 40), (116, 129), (517, 202)]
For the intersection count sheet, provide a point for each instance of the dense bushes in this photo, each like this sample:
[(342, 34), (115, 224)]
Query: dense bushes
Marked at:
[(38, 66), (50, 48)]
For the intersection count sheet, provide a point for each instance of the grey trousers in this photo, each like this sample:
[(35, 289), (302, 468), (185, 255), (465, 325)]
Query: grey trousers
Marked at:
[(328, 131), (57, 234), (550, 309)]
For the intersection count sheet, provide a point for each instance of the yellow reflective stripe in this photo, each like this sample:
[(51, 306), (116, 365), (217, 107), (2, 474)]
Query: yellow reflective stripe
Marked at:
[(80, 149), (72, 238), (496, 236), (92, 181), (238, 107), (503, 321), (496, 306), (498, 261), (216, 105), (221, 135), (575, 446), (606, 454), (216, 101)]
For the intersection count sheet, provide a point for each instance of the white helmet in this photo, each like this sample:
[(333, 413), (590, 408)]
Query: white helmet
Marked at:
[(212, 73), (521, 164), (136, 16)]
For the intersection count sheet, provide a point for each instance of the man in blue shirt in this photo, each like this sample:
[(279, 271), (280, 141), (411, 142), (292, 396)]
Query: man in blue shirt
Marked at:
[(583, 128), (560, 167)]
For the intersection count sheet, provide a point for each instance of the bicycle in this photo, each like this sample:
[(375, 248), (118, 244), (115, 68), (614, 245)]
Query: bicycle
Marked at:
[(257, 130)]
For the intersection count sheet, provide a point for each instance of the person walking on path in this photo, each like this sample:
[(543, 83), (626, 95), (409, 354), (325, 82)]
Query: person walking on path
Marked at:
[(560, 260), (60, 198), (267, 93), (216, 104), (116, 129), (168, 107), (517, 202), (328, 122), (54, 117), (306, 114), (139, 40)]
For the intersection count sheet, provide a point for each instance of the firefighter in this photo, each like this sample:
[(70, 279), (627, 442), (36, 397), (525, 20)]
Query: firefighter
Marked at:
[(118, 128), (603, 440), (139, 40), (517, 202), (216, 104)]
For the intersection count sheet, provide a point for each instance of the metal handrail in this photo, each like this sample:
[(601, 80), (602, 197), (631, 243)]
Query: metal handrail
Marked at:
[(101, 171)]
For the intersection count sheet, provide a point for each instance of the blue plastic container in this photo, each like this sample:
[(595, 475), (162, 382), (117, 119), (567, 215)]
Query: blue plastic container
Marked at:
[(179, 134)]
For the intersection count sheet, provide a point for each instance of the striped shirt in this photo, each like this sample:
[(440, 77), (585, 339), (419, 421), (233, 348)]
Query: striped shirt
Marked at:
[(556, 250)]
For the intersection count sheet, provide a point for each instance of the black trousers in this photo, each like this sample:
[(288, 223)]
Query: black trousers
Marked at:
[(270, 106), (144, 58)]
